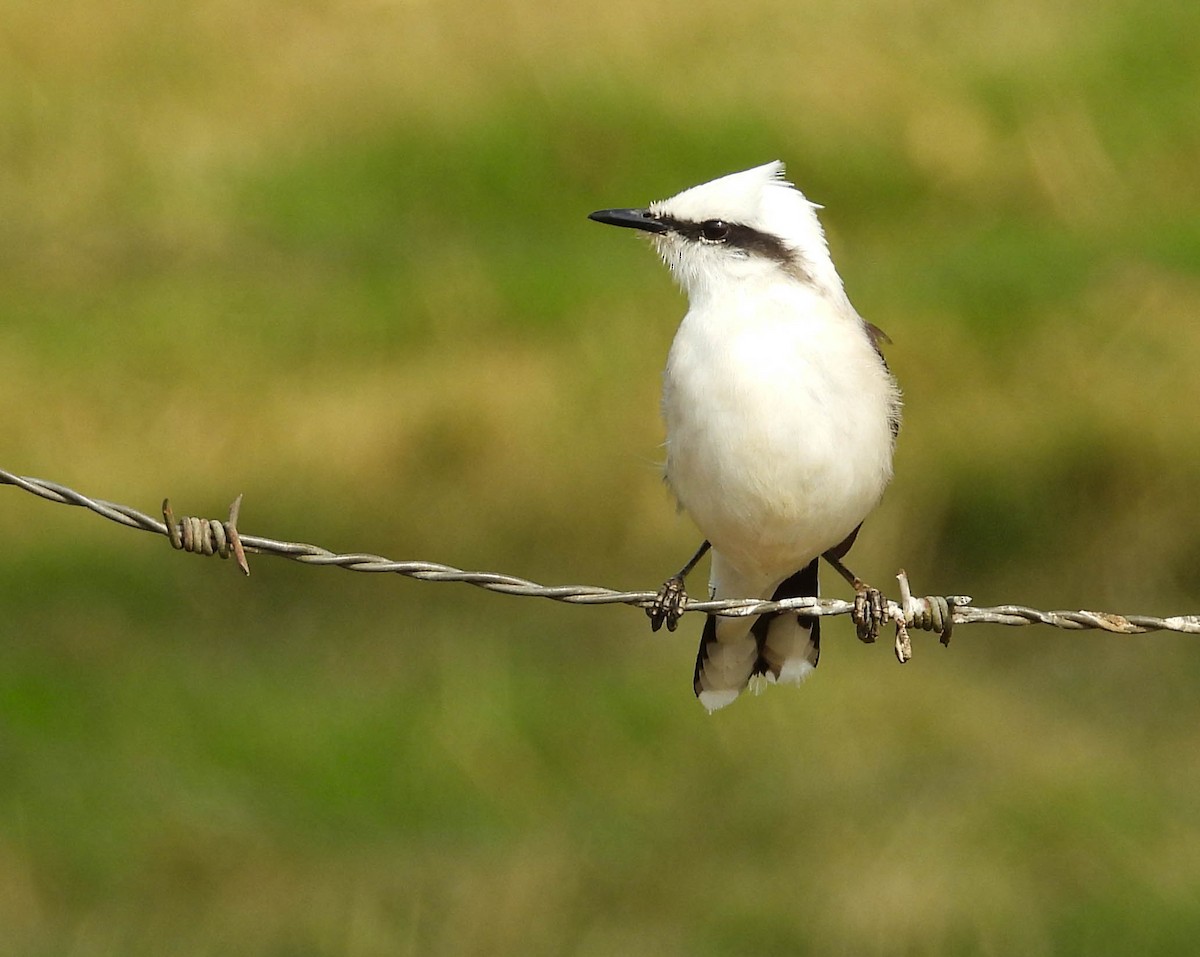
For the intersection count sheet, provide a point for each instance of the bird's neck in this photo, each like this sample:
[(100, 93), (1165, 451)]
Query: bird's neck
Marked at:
[(754, 291)]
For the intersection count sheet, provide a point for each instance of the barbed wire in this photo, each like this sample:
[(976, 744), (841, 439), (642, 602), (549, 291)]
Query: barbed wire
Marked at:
[(930, 613)]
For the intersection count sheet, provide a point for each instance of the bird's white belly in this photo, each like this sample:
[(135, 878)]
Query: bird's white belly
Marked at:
[(778, 438)]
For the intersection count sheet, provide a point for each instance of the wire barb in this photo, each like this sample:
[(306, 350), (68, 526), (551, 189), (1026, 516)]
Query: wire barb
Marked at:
[(939, 614), (207, 536)]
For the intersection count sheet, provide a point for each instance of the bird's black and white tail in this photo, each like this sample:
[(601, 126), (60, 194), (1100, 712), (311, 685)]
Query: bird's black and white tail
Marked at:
[(785, 648)]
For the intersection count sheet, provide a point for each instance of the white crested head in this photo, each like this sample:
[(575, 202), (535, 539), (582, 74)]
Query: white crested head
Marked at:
[(745, 224), (760, 197)]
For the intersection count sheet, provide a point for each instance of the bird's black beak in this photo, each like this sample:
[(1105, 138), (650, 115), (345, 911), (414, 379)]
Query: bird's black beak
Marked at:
[(641, 219)]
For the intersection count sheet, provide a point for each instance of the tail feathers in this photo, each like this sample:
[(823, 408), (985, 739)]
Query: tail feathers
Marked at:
[(783, 648), (791, 648), (791, 645), (723, 667)]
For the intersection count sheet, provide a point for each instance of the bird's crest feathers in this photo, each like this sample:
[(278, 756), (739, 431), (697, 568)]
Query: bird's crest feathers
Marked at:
[(761, 198), (768, 206)]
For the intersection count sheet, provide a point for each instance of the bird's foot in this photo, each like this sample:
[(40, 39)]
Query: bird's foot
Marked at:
[(667, 607), (870, 611)]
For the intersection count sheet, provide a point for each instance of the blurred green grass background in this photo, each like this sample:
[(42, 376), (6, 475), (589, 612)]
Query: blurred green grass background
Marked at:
[(334, 256)]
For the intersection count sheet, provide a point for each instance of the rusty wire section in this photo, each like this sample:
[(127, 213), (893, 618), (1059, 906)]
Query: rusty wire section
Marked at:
[(932, 613)]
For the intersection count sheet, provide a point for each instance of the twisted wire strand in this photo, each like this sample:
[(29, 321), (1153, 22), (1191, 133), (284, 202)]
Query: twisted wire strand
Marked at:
[(931, 613)]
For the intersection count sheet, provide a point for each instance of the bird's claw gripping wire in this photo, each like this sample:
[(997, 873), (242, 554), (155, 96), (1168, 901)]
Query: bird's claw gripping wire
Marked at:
[(667, 607), (669, 604), (870, 612), (870, 607)]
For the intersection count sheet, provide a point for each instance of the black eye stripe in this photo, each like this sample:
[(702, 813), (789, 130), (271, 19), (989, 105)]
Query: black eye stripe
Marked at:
[(734, 234)]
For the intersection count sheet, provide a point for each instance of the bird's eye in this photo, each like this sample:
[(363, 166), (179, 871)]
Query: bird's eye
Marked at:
[(714, 230)]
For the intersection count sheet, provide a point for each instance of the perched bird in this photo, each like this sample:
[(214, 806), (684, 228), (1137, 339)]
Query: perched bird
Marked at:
[(781, 417)]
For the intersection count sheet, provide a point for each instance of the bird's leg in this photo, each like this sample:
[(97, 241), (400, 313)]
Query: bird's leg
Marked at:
[(667, 606), (869, 607)]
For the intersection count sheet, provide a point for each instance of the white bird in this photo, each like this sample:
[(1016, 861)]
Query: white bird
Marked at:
[(781, 417)]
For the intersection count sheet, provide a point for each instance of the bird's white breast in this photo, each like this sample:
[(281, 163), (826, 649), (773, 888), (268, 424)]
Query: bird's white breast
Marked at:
[(777, 410)]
